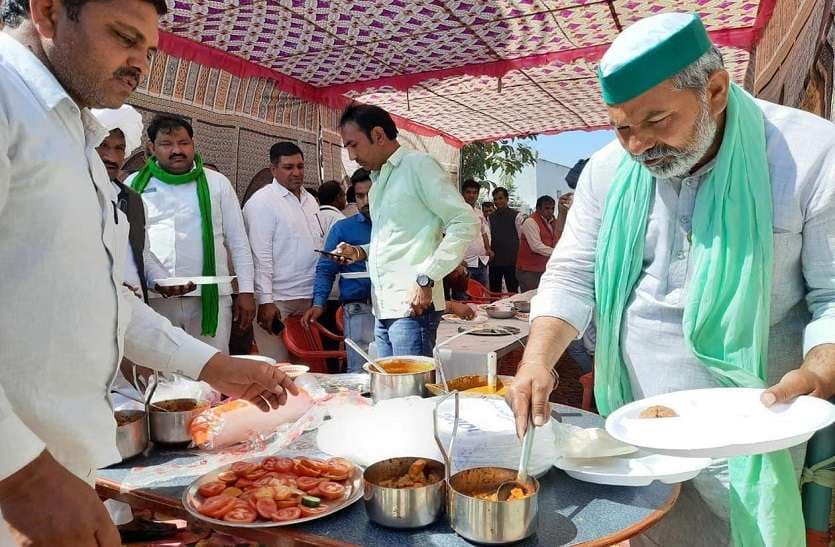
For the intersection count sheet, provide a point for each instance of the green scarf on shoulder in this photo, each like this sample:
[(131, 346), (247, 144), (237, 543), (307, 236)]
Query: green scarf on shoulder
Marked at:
[(726, 317), (209, 293)]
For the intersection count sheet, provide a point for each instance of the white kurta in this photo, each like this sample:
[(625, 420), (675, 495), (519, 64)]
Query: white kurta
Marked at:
[(65, 319)]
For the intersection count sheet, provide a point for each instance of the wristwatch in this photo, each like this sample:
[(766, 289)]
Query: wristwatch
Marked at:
[(424, 281)]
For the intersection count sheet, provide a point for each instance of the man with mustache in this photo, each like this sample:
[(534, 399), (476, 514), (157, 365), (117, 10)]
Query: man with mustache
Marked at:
[(285, 233), (704, 242), (193, 218), (66, 318)]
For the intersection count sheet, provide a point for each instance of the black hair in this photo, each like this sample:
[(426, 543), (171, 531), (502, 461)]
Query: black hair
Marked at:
[(351, 195), (470, 183), (328, 192), (500, 190), (367, 117), (167, 123), (360, 175), (487, 204), (284, 149), (542, 200), (14, 12)]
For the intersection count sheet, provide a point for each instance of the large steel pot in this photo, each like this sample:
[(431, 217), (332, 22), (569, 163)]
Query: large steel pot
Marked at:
[(131, 437), (391, 386), (173, 427)]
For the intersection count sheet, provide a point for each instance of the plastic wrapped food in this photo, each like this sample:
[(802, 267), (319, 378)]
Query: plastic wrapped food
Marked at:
[(236, 421)]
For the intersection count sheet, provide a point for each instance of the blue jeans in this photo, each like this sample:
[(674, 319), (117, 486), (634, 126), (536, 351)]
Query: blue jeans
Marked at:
[(359, 327), (407, 335)]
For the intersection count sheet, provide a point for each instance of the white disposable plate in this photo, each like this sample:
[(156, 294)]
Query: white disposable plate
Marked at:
[(477, 320), (198, 280), (719, 423), (637, 469)]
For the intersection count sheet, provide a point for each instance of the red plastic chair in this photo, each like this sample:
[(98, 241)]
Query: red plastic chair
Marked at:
[(482, 295), (340, 319), (306, 344)]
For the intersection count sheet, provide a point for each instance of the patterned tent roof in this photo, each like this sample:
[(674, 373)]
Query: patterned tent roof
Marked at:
[(464, 69)]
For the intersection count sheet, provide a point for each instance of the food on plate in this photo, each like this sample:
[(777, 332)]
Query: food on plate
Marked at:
[(236, 421), (416, 477), (178, 405), (286, 489), (405, 366), (125, 417), (658, 411), (515, 494)]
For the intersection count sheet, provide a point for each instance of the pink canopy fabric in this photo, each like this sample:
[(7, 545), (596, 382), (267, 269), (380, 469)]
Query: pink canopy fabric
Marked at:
[(467, 70)]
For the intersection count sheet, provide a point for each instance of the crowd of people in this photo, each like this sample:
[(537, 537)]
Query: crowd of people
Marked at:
[(702, 234)]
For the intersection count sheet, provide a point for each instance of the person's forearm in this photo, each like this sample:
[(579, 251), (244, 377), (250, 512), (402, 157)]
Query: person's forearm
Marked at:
[(547, 341), (821, 361)]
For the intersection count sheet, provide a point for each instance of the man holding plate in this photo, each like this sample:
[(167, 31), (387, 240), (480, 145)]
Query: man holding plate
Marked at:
[(704, 242)]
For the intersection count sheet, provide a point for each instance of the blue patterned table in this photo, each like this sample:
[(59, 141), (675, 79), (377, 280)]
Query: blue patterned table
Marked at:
[(570, 512)]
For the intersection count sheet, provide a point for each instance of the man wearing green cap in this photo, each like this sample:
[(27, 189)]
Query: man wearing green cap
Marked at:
[(704, 243)]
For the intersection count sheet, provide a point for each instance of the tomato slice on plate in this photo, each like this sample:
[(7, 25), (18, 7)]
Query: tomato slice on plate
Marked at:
[(227, 476), (255, 474), (267, 508), (243, 483), (305, 469), (250, 498), (292, 501), (288, 513), (211, 489), (338, 469), (241, 515), (310, 511), (331, 490), (285, 465), (269, 462), (308, 483), (242, 468), (217, 506)]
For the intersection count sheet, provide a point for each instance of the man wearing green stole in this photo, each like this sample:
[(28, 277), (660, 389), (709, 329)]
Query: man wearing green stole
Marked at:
[(193, 218), (703, 242)]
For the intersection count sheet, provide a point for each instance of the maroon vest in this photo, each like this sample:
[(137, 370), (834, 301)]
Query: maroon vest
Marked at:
[(528, 260)]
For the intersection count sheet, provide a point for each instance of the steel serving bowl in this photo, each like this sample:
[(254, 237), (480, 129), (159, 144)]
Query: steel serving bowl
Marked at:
[(498, 312), (391, 386), (132, 436), (403, 507), (523, 306), (485, 521), (172, 427)]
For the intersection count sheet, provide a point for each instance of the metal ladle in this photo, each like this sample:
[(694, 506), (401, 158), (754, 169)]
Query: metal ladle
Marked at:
[(505, 488), (368, 359)]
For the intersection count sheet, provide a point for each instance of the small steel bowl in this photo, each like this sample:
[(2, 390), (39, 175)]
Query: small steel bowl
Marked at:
[(132, 436), (403, 507), (172, 427), (500, 313), (523, 306), (485, 521), (391, 386)]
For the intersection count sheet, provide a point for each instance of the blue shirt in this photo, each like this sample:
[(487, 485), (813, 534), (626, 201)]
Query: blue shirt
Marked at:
[(355, 230)]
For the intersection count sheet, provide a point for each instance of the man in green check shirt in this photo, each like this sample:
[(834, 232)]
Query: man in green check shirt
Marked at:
[(421, 229)]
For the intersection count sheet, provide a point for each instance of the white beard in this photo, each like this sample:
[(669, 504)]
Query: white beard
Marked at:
[(678, 163)]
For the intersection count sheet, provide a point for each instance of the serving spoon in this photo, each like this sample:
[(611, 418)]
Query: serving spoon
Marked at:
[(505, 488), (368, 359)]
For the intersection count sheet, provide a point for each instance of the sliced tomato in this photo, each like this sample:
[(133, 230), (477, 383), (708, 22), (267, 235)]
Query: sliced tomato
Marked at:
[(243, 483), (242, 468), (292, 501), (285, 465), (232, 491), (308, 483), (306, 470), (331, 490), (267, 508), (217, 506), (241, 515), (310, 511), (255, 474), (250, 498), (288, 513), (338, 469), (227, 476), (314, 492), (269, 462), (287, 477), (211, 489)]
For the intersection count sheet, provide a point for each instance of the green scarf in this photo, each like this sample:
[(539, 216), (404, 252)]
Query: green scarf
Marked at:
[(209, 293), (726, 318)]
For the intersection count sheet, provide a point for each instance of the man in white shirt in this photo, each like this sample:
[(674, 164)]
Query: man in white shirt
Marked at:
[(66, 319), (478, 253), (332, 203), (284, 234), (190, 230)]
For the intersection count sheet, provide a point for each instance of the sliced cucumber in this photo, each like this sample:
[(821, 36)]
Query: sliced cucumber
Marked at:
[(311, 501)]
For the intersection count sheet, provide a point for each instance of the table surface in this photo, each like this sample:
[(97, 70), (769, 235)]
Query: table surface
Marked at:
[(570, 512)]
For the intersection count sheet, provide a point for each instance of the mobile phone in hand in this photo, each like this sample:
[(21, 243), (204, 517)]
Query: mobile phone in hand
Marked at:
[(329, 255)]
